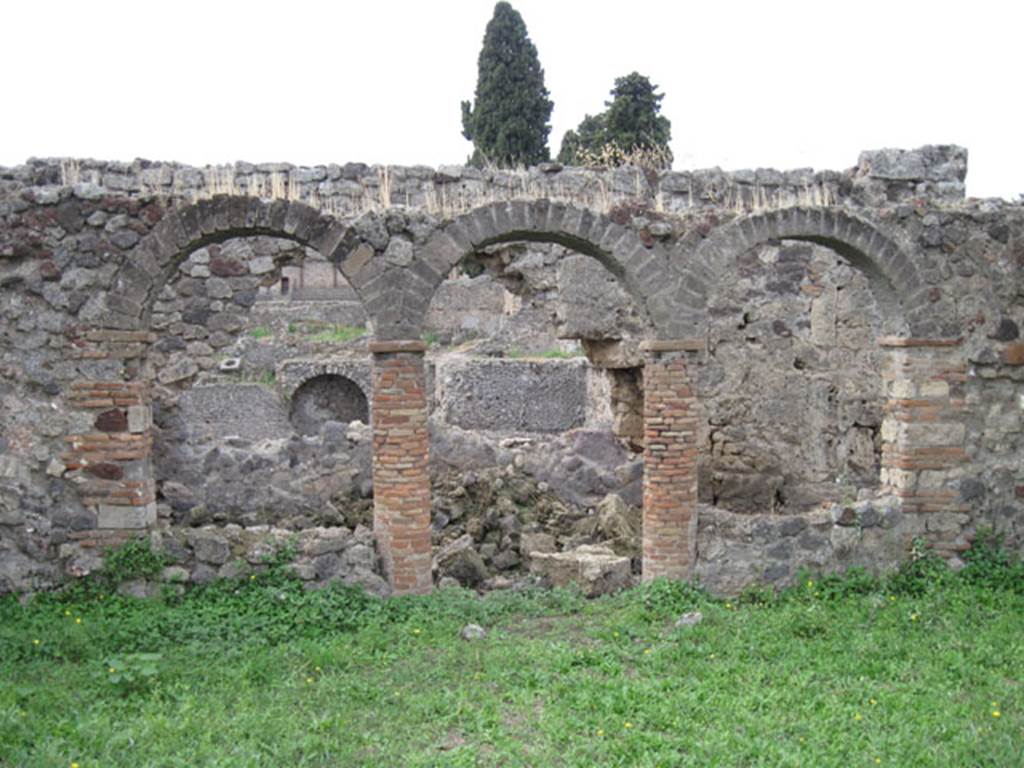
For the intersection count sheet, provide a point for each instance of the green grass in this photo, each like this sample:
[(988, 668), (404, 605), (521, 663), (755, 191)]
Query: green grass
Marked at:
[(548, 354), (561, 354), (339, 334), (836, 672), (315, 331), (260, 332)]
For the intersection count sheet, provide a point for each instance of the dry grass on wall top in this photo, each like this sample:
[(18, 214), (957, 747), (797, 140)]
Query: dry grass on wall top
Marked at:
[(380, 192)]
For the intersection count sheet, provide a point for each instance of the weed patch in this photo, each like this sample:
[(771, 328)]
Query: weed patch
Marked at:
[(339, 334), (921, 668)]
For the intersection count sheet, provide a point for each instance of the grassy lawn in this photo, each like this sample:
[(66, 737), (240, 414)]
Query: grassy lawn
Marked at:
[(924, 669)]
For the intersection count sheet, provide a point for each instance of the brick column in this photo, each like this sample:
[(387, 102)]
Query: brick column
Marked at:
[(110, 457), (401, 472), (923, 437), (670, 460)]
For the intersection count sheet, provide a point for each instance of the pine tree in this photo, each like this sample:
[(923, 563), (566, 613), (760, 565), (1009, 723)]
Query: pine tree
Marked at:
[(633, 120), (589, 137), (508, 123), (631, 129)]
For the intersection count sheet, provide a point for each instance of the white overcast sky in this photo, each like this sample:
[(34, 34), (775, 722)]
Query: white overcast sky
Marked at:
[(747, 84)]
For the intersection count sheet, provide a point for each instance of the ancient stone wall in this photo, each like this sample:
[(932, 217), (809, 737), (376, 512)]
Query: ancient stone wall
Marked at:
[(869, 319), (349, 190)]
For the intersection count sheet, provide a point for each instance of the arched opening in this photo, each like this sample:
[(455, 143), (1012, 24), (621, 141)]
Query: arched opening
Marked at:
[(791, 387), (324, 398), (232, 475), (804, 400), (526, 460), (233, 443)]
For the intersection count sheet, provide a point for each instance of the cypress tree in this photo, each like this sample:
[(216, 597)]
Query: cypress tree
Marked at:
[(508, 123)]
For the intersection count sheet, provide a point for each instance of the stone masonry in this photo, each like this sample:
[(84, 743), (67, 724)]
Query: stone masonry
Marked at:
[(924, 437), (120, 284)]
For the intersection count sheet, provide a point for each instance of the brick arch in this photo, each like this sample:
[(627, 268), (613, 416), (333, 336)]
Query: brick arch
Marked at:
[(895, 280), (345, 369), (151, 264), (357, 401), (399, 303)]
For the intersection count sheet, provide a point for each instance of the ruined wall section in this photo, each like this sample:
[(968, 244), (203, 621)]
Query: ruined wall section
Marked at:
[(61, 247), (58, 257), (881, 177)]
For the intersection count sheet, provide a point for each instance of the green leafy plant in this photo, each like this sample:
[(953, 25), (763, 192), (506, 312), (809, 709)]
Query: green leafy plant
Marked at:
[(132, 672), (666, 598), (922, 572), (756, 594), (135, 559), (989, 565), (282, 556), (260, 332)]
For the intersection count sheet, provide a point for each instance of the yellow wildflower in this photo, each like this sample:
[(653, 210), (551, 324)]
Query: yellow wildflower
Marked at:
[(309, 680), (35, 642), (627, 724), (600, 732), (996, 713), (78, 620)]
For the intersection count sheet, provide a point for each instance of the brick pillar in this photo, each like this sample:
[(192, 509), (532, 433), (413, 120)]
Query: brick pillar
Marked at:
[(670, 460), (401, 472), (924, 436), (110, 457)]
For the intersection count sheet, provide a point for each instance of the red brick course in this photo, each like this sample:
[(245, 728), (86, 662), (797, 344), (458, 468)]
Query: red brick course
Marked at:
[(401, 472), (106, 454), (670, 467), (924, 433)]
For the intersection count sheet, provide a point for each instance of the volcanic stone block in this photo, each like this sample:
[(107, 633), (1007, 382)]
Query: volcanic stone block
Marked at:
[(595, 569), (112, 516), (514, 395), (251, 411)]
